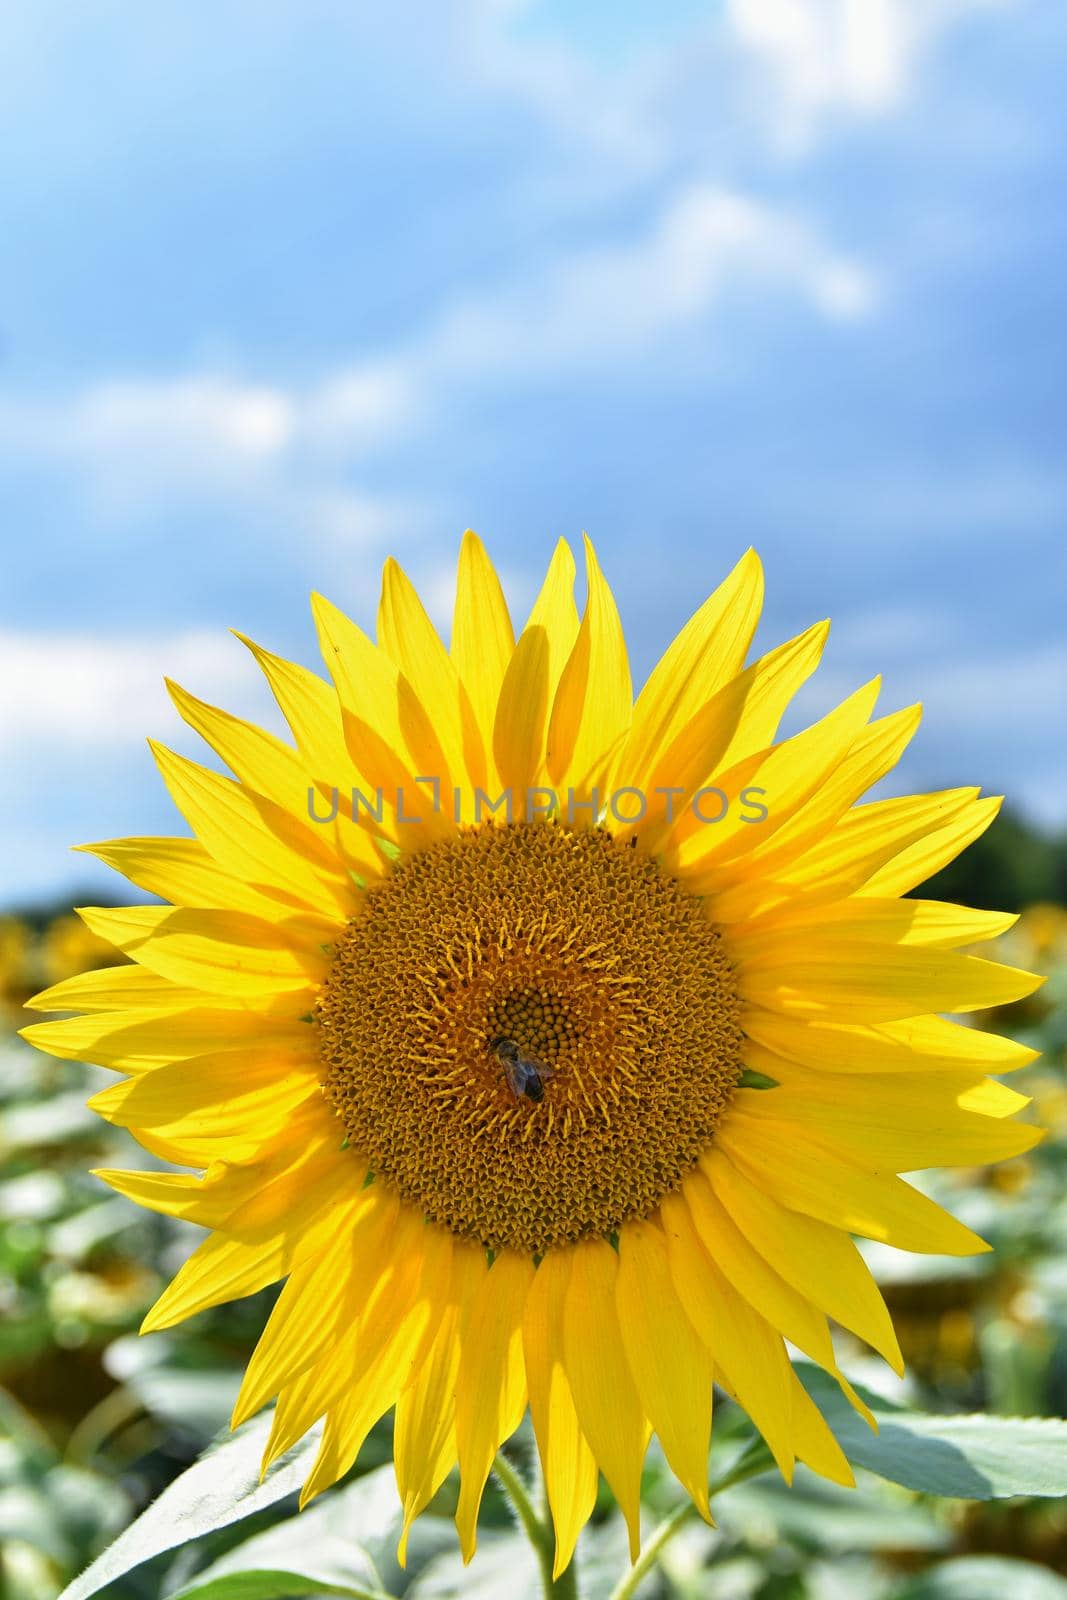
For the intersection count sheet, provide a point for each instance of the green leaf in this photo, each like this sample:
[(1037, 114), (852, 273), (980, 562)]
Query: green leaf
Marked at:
[(221, 1488), (333, 1548), (984, 1578), (335, 1572), (957, 1457), (820, 1516)]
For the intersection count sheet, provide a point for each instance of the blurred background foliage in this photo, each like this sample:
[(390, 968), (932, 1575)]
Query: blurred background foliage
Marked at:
[(94, 1422)]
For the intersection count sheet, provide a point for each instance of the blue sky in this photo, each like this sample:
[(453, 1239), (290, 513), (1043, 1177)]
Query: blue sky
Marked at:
[(289, 287)]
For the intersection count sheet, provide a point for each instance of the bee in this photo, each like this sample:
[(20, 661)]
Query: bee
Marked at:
[(526, 1075)]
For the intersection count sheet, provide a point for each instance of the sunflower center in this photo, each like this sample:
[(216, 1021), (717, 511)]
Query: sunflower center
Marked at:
[(531, 1031)]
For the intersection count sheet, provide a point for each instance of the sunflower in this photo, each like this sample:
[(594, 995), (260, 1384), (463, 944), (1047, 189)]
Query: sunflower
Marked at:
[(549, 1044)]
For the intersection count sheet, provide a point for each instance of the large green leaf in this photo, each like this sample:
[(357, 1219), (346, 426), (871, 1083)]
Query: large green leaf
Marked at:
[(221, 1488), (984, 1578), (957, 1457), (820, 1516), (333, 1548)]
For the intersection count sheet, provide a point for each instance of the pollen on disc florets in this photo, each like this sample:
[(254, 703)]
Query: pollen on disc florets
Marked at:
[(587, 957)]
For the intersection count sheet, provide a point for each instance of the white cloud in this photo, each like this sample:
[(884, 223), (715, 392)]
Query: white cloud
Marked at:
[(349, 521), (173, 438), (601, 305), (191, 414), (70, 692), (854, 56), (848, 53), (282, 453), (206, 428), (356, 408), (207, 422)]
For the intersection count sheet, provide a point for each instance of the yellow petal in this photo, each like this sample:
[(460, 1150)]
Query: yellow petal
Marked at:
[(738, 721), (134, 1041), (905, 1098), (411, 640), (131, 988), (218, 1095), (256, 840), (669, 1363), (813, 1442), (388, 733), (749, 1357), (890, 1124), (874, 752), (786, 776), (207, 1201), (424, 1433), (788, 1312), (483, 640), (863, 840), (808, 1177), (856, 981), (301, 1404), (605, 1397), (594, 700), (261, 762), (309, 1314), (311, 708), (928, 854), (182, 871), (310, 1119), (218, 952), (520, 728), (992, 1099), (391, 1267), (706, 655), (819, 1261), (916, 1044), (226, 1267), (930, 923), (391, 1342), (491, 1383), (567, 1462), (755, 1279), (218, 1270)]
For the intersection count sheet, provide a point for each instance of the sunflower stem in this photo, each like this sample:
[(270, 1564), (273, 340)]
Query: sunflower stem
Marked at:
[(756, 1459), (538, 1530)]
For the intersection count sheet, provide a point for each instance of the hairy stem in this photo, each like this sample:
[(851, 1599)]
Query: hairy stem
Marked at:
[(538, 1531)]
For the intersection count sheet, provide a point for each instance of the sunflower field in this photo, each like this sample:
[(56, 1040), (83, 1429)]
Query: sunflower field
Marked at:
[(456, 1163)]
